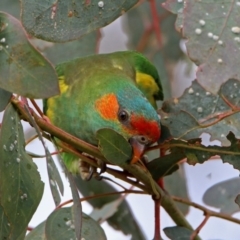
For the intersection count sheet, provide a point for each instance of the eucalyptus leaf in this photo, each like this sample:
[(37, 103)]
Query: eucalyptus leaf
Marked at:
[(222, 195), (20, 183), (113, 146), (49, 19), (4, 98), (212, 38), (23, 69), (38, 233), (53, 173), (188, 117), (60, 226), (77, 207), (178, 233)]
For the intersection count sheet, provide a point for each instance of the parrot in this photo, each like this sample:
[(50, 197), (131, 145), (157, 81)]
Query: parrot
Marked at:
[(116, 90)]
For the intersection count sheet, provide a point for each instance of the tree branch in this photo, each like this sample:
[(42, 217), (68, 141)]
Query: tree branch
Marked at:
[(206, 210), (150, 186)]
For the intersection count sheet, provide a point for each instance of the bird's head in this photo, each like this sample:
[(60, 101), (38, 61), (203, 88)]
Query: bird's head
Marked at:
[(128, 112)]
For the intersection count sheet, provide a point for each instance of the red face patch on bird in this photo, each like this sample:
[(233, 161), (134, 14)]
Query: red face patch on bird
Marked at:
[(108, 106), (145, 127)]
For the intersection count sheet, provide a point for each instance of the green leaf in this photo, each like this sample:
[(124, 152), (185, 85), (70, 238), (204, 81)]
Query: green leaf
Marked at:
[(237, 200), (173, 6), (5, 229), (212, 30), (222, 195), (178, 233), (231, 158), (38, 233), (113, 146), (23, 69), (64, 21), (77, 207), (165, 165), (188, 117), (21, 187), (4, 98), (53, 173), (123, 220), (60, 226)]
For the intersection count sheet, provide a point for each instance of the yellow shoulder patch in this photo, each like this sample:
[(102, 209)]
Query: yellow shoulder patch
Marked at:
[(148, 86), (62, 85), (51, 102)]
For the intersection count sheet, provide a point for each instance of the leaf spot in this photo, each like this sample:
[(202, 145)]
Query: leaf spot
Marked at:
[(237, 39), (210, 35), (202, 22), (198, 31), (101, 4), (3, 40), (200, 109), (52, 182), (236, 30), (190, 91)]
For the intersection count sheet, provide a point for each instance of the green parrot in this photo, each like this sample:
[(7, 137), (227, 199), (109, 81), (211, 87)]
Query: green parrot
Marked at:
[(117, 90)]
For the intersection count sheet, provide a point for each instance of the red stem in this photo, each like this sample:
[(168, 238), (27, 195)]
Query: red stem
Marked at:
[(161, 181), (37, 107), (30, 228), (197, 230), (157, 234), (155, 19)]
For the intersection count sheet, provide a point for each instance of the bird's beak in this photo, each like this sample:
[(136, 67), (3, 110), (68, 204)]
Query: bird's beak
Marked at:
[(138, 149)]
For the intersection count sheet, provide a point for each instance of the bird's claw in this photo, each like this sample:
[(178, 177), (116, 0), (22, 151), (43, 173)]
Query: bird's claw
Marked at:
[(102, 166), (87, 171)]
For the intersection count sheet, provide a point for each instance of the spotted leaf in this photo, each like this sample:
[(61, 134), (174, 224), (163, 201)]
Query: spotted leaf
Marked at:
[(198, 111)]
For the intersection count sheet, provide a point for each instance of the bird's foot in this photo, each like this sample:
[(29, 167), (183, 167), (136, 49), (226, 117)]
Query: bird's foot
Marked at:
[(87, 171)]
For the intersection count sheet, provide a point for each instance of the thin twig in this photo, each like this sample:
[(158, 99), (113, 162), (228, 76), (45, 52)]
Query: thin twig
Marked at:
[(37, 107), (206, 210), (100, 196), (157, 228), (31, 139), (198, 229)]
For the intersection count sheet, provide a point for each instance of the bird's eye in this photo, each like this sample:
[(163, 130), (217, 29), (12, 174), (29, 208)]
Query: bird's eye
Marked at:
[(123, 116), (143, 140)]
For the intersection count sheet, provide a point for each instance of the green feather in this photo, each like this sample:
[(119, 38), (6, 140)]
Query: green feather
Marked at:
[(84, 80)]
